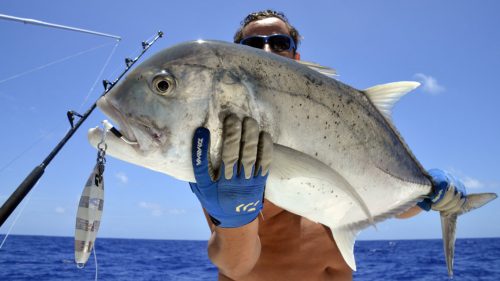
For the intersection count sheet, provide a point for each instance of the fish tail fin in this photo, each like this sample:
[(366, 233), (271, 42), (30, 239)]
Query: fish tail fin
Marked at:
[(449, 224)]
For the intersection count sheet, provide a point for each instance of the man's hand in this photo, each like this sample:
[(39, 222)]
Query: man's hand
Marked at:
[(448, 194), (233, 195)]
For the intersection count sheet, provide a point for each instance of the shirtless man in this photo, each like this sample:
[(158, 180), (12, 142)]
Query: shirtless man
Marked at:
[(276, 245)]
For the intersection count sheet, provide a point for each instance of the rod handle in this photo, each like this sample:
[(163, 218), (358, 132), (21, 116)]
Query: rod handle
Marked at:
[(22, 190)]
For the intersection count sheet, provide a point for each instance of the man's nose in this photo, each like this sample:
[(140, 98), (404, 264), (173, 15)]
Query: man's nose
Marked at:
[(267, 48)]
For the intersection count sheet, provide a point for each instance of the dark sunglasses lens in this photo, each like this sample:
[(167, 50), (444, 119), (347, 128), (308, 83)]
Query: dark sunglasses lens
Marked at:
[(256, 42), (280, 43)]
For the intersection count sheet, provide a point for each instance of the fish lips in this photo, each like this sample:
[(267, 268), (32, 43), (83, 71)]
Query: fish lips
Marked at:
[(138, 134)]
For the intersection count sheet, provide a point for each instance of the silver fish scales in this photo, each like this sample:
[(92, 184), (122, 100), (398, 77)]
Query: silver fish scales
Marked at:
[(338, 159)]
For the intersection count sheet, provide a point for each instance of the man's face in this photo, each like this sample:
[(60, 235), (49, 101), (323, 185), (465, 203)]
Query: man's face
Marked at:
[(269, 26)]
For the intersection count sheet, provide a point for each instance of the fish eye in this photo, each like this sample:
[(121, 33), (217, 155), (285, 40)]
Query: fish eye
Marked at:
[(163, 83)]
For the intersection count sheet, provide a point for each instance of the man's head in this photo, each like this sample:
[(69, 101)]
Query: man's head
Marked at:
[(265, 23)]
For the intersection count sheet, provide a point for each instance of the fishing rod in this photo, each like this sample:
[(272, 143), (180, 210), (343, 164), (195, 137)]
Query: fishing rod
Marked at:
[(24, 188), (48, 24)]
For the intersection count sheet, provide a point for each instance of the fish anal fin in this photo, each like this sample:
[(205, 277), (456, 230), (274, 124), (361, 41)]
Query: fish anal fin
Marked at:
[(344, 238)]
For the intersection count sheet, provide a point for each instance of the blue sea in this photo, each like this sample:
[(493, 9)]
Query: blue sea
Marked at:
[(52, 258)]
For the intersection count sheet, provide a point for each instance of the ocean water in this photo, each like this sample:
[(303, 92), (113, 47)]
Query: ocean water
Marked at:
[(52, 258)]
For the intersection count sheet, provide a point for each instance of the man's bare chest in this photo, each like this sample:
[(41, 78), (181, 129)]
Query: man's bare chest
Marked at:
[(295, 246)]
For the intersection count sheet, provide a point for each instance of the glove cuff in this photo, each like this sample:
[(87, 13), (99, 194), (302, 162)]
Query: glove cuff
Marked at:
[(425, 205), (234, 222)]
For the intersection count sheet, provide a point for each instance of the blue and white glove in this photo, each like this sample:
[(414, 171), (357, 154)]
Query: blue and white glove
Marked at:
[(448, 193), (234, 196)]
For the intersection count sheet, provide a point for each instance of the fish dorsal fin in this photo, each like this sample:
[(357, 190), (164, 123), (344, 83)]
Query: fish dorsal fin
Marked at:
[(325, 70), (386, 95)]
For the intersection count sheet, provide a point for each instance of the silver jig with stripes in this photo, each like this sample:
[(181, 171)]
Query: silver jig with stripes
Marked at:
[(90, 207)]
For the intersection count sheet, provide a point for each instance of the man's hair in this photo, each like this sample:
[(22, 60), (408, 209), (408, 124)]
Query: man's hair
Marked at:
[(294, 33)]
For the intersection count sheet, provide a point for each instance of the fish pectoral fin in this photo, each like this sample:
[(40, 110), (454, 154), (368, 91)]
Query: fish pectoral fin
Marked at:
[(344, 238), (449, 224), (386, 95), (289, 163), (325, 70)]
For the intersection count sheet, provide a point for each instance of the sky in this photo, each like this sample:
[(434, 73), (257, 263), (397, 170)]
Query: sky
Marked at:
[(451, 122)]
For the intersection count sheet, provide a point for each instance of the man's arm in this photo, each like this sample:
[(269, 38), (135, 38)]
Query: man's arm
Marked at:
[(235, 251), (413, 211), (232, 197)]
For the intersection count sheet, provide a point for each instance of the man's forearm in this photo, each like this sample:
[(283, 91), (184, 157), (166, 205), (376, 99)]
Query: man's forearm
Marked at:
[(413, 211), (235, 251)]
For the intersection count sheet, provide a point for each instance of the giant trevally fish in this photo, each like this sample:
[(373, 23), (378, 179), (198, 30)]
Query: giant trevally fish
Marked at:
[(338, 160)]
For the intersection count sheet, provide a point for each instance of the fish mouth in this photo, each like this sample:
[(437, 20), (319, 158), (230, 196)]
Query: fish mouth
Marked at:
[(137, 133), (146, 135), (125, 132)]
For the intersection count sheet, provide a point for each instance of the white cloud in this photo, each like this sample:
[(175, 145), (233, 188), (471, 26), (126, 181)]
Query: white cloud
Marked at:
[(429, 83), (176, 211), (122, 177), (156, 209), (472, 183), (469, 182), (60, 210)]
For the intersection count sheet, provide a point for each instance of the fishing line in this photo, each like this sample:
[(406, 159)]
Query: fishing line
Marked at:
[(84, 101), (34, 176), (15, 219), (95, 261), (24, 152), (31, 146), (99, 75), (52, 63), (149, 39)]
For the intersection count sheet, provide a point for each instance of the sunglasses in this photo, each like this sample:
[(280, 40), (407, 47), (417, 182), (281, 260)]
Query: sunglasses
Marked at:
[(277, 42)]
